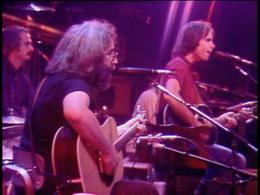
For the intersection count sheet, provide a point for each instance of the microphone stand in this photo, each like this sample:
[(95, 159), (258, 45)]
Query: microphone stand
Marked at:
[(214, 87), (246, 74), (234, 135), (190, 106), (212, 162), (232, 168)]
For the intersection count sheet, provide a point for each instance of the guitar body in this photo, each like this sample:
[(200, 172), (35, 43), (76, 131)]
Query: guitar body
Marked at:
[(190, 132), (88, 163), (81, 162), (64, 159)]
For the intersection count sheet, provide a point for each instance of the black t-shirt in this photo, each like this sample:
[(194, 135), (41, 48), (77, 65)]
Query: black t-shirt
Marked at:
[(17, 90), (47, 115)]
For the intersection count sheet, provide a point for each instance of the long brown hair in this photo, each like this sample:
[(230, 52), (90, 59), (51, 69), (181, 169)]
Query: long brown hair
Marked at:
[(12, 38), (189, 36)]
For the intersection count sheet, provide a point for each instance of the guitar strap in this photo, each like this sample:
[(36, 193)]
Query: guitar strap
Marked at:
[(55, 178), (30, 126), (29, 160)]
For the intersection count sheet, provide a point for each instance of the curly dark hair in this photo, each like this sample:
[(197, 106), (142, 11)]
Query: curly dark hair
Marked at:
[(83, 48)]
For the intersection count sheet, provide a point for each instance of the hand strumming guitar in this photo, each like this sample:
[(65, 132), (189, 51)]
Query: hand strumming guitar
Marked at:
[(232, 118), (109, 162), (228, 120)]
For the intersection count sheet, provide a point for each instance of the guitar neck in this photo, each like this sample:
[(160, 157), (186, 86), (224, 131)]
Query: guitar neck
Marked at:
[(123, 139)]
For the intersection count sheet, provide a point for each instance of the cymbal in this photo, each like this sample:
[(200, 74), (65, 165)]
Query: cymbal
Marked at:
[(12, 131), (13, 120), (33, 7)]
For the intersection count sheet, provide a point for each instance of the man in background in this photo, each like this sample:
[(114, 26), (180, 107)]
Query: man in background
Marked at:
[(17, 87)]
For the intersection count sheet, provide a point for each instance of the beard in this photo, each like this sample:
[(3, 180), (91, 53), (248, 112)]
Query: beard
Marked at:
[(102, 77)]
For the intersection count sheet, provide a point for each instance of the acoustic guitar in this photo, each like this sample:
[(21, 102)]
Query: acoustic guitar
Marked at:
[(242, 112), (81, 163)]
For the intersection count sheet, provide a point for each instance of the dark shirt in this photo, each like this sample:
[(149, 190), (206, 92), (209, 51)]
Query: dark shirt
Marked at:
[(47, 115), (17, 90)]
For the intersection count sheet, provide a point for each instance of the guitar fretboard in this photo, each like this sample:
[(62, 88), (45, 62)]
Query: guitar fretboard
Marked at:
[(123, 139)]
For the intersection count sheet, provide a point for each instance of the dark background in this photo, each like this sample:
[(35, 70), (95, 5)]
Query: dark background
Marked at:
[(141, 26)]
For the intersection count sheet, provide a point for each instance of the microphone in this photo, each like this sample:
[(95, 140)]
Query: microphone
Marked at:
[(158, 138), (220, 54), (201, 85), (132, 70)]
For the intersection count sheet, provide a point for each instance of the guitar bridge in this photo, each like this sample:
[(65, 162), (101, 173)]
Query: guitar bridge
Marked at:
[(107, 179)]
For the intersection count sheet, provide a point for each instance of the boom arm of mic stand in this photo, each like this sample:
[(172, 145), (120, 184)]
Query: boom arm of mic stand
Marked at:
[(246, 74), (208, 161), (226, 90), (166, 91)]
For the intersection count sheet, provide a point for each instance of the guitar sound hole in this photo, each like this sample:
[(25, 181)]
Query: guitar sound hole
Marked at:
[(107, 179)]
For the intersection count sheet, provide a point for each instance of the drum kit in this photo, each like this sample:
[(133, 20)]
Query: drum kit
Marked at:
[(32, 7), (11, 131), (12, 127)]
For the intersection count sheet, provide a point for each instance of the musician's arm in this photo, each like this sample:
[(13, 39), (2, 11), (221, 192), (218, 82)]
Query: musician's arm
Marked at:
[(240, 114), (227, 119), (178, 108), (83, 121)]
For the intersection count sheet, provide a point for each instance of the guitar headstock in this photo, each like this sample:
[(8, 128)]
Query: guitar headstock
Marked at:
[(102, 114), (141, 126), (140, 113), (245, 111), (247, 114)]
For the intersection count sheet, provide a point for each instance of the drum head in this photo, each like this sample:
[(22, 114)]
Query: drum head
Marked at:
[(7, 155)]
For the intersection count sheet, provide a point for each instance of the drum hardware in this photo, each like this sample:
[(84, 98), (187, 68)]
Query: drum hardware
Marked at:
[(10, 137), (19, 176), (33, 7), (12, 126), (10, 132), (13, 120), (7, 157)]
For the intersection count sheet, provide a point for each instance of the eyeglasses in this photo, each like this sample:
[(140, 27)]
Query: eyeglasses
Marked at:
[(113, 53)]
